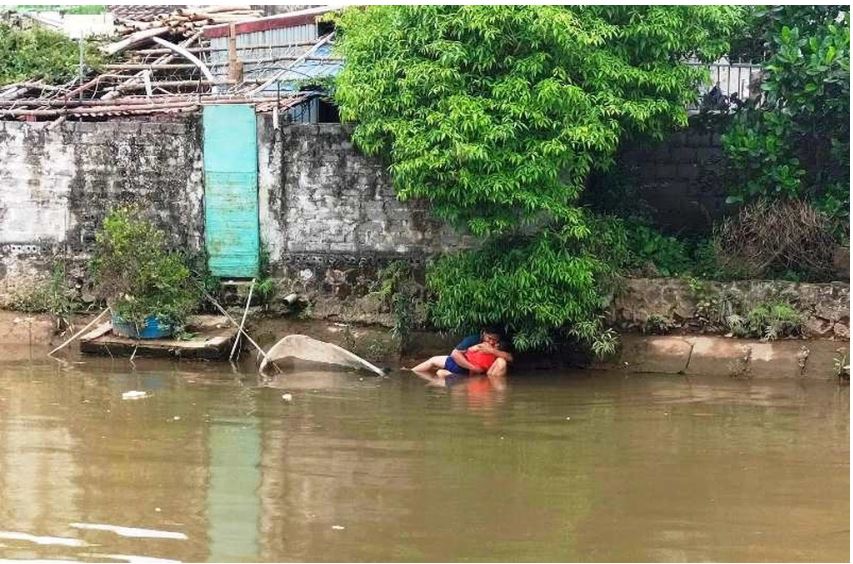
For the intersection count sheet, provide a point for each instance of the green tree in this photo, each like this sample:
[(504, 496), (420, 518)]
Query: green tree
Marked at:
[(40, 54), (795, 143), (497, 115)]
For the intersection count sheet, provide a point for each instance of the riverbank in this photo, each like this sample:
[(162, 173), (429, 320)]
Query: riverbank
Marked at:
[(707, 355)]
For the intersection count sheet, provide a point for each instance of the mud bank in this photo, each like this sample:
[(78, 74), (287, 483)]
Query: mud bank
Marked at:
[(671, 354)]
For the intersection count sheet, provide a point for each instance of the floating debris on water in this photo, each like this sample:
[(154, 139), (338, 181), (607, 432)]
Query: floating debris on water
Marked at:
[(287, 397), (133, 559), (338, 527), (134, 394), (62, 541), (131, 532)]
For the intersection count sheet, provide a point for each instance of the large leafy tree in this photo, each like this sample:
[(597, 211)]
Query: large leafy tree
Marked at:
[(795, 142), (497, 115)]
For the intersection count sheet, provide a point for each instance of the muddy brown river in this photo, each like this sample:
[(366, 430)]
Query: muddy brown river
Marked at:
[(213, 465)]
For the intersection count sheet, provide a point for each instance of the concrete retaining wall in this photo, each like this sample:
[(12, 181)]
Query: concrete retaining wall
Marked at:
[(737, 358), (825, 306)]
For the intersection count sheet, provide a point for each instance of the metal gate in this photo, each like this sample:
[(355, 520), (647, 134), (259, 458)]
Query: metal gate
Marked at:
[(231, 190)]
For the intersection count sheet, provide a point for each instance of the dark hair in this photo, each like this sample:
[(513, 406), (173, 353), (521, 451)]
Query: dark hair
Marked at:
[(494, 330)]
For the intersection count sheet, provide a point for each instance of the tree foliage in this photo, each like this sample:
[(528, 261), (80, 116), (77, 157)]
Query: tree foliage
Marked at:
[(40, 54), (497, 115), (795, 143)]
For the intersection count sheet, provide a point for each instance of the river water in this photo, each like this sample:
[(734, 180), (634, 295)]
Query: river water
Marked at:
[(577, 466)]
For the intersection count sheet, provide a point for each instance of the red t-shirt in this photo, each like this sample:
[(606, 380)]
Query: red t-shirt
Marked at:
[(482, 359)]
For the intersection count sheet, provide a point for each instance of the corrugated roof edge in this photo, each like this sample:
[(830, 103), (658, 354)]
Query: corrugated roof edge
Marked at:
[(300, 17)]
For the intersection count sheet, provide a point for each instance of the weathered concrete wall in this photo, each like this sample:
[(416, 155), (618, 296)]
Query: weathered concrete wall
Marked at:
[(56, 185), (322, 201), (826, 306), (324, 206), (736, 358)]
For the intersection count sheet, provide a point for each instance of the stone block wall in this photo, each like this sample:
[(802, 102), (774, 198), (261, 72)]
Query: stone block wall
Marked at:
[(321, 201), (826, 306), (680, 178), (57, 184)]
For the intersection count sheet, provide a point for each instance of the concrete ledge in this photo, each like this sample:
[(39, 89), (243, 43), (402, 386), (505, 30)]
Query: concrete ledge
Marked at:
[(18, 328), (720, 356)]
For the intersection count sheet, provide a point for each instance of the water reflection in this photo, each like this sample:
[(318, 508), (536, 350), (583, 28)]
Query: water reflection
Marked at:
[(214, 465)]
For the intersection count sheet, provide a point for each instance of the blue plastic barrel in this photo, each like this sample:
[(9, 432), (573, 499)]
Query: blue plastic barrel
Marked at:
[(151, 328)]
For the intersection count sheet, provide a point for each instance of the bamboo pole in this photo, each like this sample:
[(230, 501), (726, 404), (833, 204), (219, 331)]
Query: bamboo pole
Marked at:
[(94, 110), (78, 333), (129, 101), (153, 51), (243, 321), (226, 314), (149, 66), (133, 39), (138, 76), (187, 55)]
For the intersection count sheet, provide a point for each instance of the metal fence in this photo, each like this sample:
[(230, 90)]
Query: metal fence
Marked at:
[(730, 78)]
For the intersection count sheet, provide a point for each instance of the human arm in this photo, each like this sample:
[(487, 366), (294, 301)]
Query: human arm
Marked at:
[(486, 348), (459, 357), (471, 342)]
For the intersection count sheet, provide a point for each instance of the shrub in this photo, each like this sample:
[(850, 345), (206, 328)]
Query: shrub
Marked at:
[(771, 321), (52, 295), (656, 324), (40, 54), (136, 274), (667, 254)]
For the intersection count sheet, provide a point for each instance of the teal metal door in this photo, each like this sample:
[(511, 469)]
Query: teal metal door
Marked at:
[(231, 190)]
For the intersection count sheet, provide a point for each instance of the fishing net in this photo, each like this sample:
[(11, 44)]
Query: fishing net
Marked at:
[(306, 349)]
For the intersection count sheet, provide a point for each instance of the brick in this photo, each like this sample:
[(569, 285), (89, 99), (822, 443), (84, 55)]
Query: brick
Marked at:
[(688, 172), (683, 155)]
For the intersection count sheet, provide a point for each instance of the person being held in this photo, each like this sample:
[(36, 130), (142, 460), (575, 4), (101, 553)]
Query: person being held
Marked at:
[(487, 358), (480, 355)]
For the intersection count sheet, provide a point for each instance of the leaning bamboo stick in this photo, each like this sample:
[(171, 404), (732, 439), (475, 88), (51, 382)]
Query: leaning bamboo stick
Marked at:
[(226, 314), (243, 321), (78, 333)]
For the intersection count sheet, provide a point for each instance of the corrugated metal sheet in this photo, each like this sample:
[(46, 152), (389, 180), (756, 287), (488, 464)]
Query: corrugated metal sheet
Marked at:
[(270, 48), (266, 53), (231, 190)]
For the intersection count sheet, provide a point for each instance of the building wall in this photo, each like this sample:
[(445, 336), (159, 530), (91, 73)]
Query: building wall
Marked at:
[(322, 203), (329, 218), (57, 185), (320, 197)]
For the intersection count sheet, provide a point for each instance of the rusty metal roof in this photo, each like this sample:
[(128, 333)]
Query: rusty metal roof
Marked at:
[(142, 106), (141, 12)]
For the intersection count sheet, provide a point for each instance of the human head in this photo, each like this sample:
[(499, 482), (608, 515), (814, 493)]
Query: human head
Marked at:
[(491, 335)]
